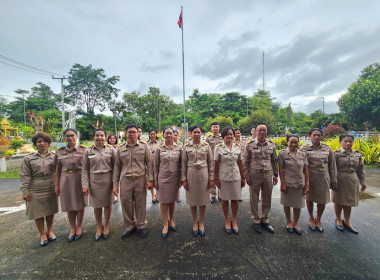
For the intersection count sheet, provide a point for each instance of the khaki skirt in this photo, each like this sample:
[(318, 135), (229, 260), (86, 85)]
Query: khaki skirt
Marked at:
[(319, 187), (43, 200), (347, 193), (101, 189), (230, 190), (168, 183), (198, 194), (293, 198), (71, 195)]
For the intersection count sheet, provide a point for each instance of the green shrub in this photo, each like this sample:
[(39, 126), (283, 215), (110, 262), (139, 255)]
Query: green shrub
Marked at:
[(16, 144)]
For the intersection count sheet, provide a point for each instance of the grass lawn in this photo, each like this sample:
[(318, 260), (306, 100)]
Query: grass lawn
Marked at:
[(12, 174)]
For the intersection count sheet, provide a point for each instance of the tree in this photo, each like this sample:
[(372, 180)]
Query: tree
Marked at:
[(3, 108), (361, 103), (222, 120), (262, 100), (260, 115), (90, 88), (151, 110)]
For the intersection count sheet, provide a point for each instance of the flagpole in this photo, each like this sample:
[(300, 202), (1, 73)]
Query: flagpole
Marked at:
[(183, 74)]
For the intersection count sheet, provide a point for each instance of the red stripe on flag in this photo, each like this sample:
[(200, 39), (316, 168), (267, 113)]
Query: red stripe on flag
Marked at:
[(180, 20)]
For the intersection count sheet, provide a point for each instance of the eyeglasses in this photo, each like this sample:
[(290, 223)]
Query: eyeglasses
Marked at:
[(132, 132), (70, 136)]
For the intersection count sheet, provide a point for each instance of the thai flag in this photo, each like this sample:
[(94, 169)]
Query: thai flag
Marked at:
[(180, 20)]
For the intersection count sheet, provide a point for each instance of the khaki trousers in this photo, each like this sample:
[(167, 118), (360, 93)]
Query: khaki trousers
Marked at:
[(133, 201), (264, 182)]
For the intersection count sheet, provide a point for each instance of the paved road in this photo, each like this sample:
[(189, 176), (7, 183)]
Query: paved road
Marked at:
[(330, 255)]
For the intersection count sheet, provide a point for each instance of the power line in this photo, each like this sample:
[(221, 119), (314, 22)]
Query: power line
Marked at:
[(24, 68), (28, 66)]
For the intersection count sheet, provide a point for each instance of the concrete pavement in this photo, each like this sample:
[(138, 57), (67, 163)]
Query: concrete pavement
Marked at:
[(314, 255)]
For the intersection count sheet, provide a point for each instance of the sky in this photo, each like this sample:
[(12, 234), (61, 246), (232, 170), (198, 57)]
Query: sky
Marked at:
[(312, 49)]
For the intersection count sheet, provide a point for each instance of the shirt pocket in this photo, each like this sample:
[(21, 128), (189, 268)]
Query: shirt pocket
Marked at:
[(140, 155)]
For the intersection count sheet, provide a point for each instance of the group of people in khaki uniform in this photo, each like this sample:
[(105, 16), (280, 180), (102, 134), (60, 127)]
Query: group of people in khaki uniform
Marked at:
[(94, 175)]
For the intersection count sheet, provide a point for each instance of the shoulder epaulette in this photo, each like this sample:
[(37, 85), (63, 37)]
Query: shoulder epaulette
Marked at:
[(108, 145), (61, 148), (187, 144), (249, 141), (142, 141), (283, 150), (270, 141), (204, 142), (82, 146), (220, 144), (237, 144)]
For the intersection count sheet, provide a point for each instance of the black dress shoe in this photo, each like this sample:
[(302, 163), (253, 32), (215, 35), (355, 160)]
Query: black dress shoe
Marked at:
[(164, 235), (44, 243), (268, 227), (127, 233), (212, 199), (52, 239), (154, 200), (240, 199), (172, 228), (219, 198), (338, 227), (105, 236), (257, 227), (143, 232), (77, 236), (290, 229), (350, 229), (98, 237), (71, 238), (195, 232), (178, 201), (234, 230), (228, 230), (298, 231), (202, 233), (313, 228)]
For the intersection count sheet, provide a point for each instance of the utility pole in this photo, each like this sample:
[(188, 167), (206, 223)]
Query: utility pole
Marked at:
[(63, 99), (323, 105), (23, 97), (263, 73), (247, 105)]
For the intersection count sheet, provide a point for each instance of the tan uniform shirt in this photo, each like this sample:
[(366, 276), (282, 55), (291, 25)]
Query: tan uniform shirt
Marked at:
[(260, 157), (228, 167), (321, 159), (132, 161), (71, 161), (197, 157), (153, 146), (97, 161), (35, 166), (350, 163), (188, 140), (213, 141), (242, 144), (166, 159), (293, 167)]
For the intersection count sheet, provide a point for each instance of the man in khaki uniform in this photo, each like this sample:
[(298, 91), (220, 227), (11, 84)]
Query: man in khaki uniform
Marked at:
[(253, 132), (214, 139), (133, 165), (260, 165)]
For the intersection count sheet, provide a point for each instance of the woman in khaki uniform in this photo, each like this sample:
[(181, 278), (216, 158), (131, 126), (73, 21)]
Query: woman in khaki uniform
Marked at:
[(37, 186), (322, 174), (68, 182), (167, 173), (98, 162), (197, 177), (294, 177), (350, 169), (112, 140), (179, 143), (229, 177), (240, 142), (152, 143)]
